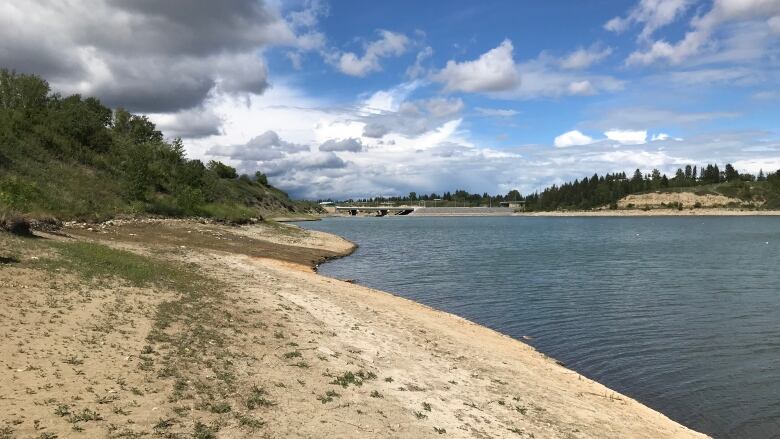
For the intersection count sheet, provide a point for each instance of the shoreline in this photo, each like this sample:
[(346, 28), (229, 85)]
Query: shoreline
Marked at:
[(488, 335), (701, 212), (653, 212), (319, 356)]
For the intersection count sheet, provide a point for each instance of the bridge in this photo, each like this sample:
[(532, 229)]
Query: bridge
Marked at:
[(379, 210)]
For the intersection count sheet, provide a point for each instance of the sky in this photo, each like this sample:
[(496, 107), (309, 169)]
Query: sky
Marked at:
[(339, 99)]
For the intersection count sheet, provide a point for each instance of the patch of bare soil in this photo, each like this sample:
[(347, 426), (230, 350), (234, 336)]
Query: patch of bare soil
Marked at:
[(685, 199)]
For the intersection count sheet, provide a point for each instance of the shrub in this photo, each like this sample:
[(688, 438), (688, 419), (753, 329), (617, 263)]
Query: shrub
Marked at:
[(223, 170), (15, 224)]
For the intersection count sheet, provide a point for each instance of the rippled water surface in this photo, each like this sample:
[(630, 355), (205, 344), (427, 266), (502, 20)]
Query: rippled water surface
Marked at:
[(682, 314)]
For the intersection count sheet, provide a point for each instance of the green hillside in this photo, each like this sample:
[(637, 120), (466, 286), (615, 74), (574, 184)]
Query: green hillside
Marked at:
[(73, 158)]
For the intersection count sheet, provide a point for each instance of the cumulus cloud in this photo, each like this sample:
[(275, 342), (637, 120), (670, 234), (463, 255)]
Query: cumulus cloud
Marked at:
[(493, 71), (265, 147), (389, 44), (702, 29), (627, 137), (145, 55), (293, 165), (572, 138), (497, 74), (623, 137), (350, 144), (584, 58), (408, 118)]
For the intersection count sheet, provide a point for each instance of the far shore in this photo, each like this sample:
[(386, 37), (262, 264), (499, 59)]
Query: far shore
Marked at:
[(656, 212), (478, 212)]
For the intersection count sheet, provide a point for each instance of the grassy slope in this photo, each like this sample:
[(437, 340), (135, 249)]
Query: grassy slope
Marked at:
[(37, 183), (73, 158)]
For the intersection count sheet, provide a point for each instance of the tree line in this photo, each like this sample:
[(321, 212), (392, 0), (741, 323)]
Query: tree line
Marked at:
[(602, 190)]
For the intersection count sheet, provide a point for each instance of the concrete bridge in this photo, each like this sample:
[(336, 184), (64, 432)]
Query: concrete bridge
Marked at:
[(379, 210)]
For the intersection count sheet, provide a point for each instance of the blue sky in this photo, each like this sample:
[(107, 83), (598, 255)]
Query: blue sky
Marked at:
[(353, 99)]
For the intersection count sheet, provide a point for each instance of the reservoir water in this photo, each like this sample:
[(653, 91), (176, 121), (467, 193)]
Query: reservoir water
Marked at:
[(681, 313)]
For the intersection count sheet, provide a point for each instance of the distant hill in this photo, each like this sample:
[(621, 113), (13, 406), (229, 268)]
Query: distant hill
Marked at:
[(73, 158)]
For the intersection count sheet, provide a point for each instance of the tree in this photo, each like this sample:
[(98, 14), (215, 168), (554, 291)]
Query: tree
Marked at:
[(261, 178), (761, 176), (513, 195), (731, 173), (222, 170), (688, 172)]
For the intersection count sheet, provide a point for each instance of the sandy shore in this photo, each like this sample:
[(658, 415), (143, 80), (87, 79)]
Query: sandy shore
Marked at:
[(281, 351)]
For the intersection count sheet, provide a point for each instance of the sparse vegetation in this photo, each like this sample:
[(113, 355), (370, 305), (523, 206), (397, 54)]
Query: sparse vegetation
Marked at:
[(203, 431), (328, 396), (356, 379), (257, 399)]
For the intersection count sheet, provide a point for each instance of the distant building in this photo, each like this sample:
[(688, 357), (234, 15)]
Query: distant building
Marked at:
[(326, 203), (513, 204)]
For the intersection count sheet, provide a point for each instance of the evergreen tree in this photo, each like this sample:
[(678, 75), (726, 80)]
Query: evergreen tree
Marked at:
[(731, 173)]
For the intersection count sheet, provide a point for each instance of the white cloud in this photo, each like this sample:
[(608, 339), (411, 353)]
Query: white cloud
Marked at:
[(493, 71), (388, 111), (660, 137), (703, 27), (652, 14), (627, 137), (584, 58), (582, 88), (496, 74), (572, 138), (417, 70), (542, 78), (267, 146), (497, 112), (389, 44)]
